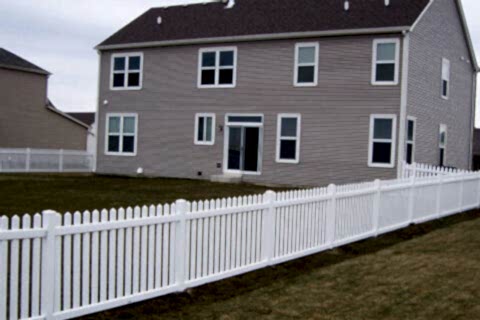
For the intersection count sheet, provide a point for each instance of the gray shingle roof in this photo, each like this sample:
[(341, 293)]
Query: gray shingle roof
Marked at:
[(12, 61), (261, 17)]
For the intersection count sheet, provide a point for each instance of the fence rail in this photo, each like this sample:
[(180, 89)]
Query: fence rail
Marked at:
[(45, 160), (59, 267)]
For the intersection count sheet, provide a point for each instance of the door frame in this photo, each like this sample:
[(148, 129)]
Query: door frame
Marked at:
[(226, 141)]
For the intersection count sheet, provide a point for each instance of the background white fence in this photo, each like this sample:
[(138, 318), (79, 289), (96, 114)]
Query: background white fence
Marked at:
[(425, 170), (45, 160), (58, 267)]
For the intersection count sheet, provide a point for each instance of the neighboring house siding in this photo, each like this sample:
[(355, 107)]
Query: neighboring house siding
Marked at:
[(440, 34), (335, 114), (25, 122)]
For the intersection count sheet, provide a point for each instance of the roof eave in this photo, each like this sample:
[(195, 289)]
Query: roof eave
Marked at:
[(467, 35), (259, 37), (50, 107), (42, 72)]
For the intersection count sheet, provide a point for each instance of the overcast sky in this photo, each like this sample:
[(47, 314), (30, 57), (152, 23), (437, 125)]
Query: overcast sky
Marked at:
[(59, 36)]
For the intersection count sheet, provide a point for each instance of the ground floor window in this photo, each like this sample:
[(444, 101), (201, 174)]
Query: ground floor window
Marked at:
[(442, 145), (411, 127), (382, 140), (288, 138), (205, 128), (121, 138)]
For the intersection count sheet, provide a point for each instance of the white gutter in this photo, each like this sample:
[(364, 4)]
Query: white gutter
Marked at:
[(403, 102), (259, 37)]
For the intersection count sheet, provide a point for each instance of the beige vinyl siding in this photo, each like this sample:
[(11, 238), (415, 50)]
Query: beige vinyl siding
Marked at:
[(335, 113), (440, 35), (25, 122)]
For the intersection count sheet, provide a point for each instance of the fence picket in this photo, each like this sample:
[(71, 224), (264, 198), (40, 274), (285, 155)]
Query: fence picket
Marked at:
[(3, 269), (14, 251), (36, 266), (95, 262), (86, 262), (25, 291), (77, 220)]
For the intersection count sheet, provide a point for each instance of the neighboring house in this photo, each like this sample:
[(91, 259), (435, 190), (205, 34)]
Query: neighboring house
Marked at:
[(27, 118), (476, 150), (287, 92), (89, 119)]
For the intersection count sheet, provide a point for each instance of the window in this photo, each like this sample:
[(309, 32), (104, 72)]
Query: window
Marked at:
[(442, 145), (288, 138), (127, 71), (306, 64), (205, 128), (411, 127), (382, 141), (217, 67), (121, 134), (385, 62), (445, 78)]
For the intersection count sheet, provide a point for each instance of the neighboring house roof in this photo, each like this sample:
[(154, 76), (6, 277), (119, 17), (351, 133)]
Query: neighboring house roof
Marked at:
[(52, 108), (10, 60), (265, 17), (85, 117)]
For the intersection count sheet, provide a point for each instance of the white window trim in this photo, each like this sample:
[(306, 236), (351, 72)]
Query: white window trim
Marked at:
[(121, 134), (314, 64), (393, 141), (280, 138), (197, 123), (376, 42), (112, 71), (412, 142), (445, 62), (443, 127), (217, 67)]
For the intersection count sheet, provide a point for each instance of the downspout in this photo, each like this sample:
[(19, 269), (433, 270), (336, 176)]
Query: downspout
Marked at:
[(95, 157), (472, 119), (403, 102)]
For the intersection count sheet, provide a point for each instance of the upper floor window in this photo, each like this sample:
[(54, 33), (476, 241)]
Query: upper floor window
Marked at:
[(445, 78), (442, 144), (306, 64), (382, 140), (121, 138), (288, 138), (217, 67), (205, 128), (411, 127), (126, 73), (385, 65)]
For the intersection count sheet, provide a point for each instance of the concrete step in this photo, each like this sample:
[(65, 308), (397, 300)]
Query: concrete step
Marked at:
[(226, 178)]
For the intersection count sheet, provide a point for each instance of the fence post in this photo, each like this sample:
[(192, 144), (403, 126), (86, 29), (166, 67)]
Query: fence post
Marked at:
[(50, 220), (268, 227), (376, 206), (181, 211), (332, 209), (60, 160), (27, 160), (439, 194), (462, 181), (411, 198)]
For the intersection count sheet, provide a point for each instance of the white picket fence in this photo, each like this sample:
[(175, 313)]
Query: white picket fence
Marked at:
[(45, 160), (59, 267), (425, 170)]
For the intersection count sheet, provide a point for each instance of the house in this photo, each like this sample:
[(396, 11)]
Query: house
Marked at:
[(476, 150), (89, 119), (28, 119), (287, 92)]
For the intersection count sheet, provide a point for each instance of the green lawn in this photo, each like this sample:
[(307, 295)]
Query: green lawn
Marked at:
[(33, 193), (430, 272)]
